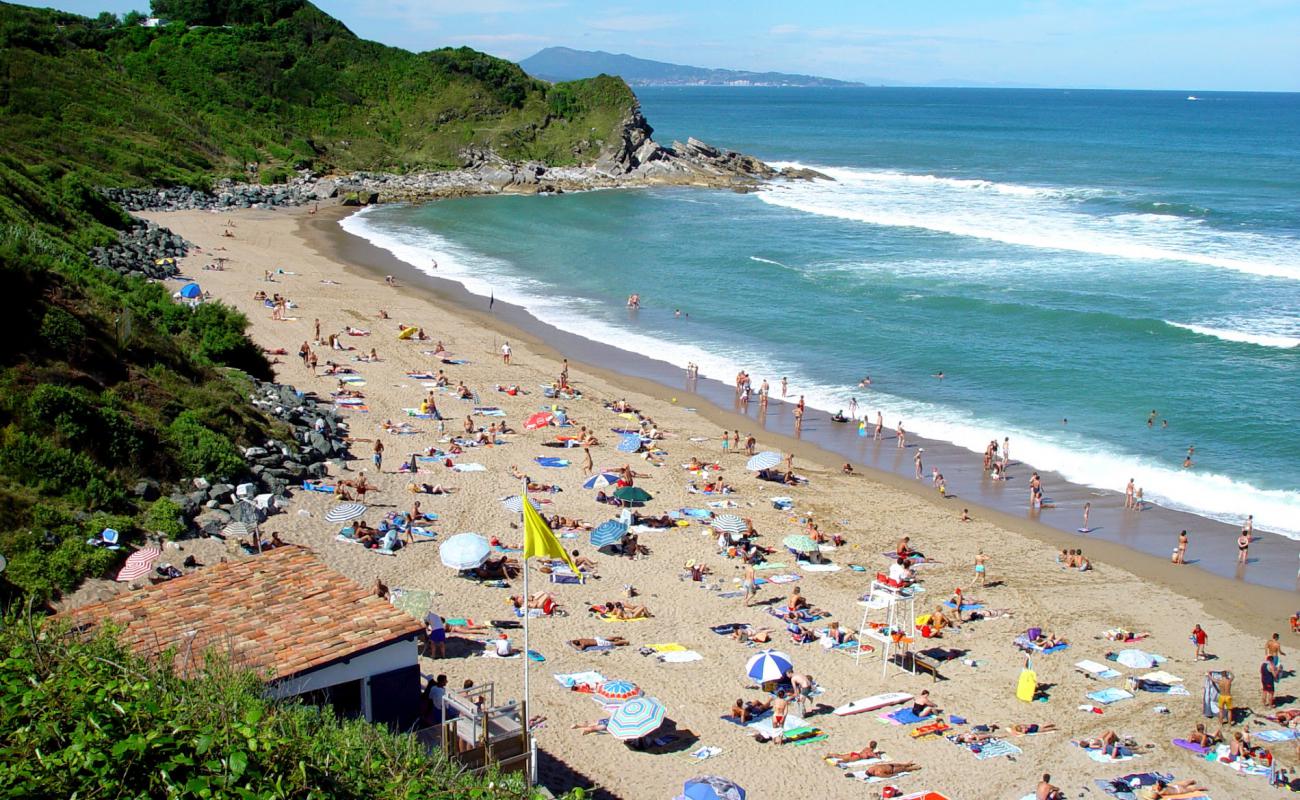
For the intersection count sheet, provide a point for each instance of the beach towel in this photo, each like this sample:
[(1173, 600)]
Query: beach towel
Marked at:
[(470, 467), (415, 412), (612, 618), (902, 716), (992, 748), (865, 778), (671, 647), (807, 567), (964, 606), (1161, 676), (805, 735), (1143, 685), (787, 578), (680, 657), (489, 412), (763, 725), (932, 729), (1094, 670), (768, 565), (571, 679), (1102, 757), (311, 486), (861, 762), (547, 461), (422, 376), (698, 513), (1109, 695), (705, 753), (1245, 766), (1276, 736)]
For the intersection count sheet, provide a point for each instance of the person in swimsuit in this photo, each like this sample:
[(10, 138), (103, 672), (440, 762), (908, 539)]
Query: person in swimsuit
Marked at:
[(891, 768), (981, 562), (1180, 553), (780, 707), (1243, 546), (923, 707), (1046, 791), (870, 751), (1200, 737), (1267, 683), (1224, 685)]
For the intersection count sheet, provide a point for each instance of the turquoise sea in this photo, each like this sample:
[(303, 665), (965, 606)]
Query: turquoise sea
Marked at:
[(1087, 256)]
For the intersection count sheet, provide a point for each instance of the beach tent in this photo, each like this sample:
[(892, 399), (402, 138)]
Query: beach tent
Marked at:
[(711, 787), (191, 291)]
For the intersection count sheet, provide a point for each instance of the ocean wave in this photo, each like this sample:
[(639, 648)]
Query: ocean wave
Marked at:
[(1030, 216), (762, 260), (1242, 336), (1076, 459)]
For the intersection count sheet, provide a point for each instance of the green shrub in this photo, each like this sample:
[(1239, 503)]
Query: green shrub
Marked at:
[(57, 471), (164, 517), (202, 450), (62, 331)]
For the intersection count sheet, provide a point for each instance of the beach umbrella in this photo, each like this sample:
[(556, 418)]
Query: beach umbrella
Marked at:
[(139, 563), (514, 504), (618, 691), (344, 512), (608, 533), (632, 494), (762, 461), (711, 787), (640, 716), (237, 529), (769, 665), (629, 444), (730, 523), (464, 551), (191, 291), (800, 544), (600, 480), (539, 420)]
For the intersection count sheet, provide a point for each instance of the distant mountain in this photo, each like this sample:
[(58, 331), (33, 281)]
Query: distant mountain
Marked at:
[(565, 64)]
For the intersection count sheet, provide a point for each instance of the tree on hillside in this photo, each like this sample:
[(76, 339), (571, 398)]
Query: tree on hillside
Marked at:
[(225, 12)]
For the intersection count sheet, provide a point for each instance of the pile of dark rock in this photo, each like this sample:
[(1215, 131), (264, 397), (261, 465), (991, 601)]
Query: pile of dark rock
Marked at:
[(227, 194), (275, 467), (145, 250)]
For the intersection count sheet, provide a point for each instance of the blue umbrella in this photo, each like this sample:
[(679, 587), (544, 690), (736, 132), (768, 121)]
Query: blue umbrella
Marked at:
[(769, 665), (640, 716), (464, 551), (608, 533), (600, 480), (191, 291), (630, 443), (711, 787), (762, 461)]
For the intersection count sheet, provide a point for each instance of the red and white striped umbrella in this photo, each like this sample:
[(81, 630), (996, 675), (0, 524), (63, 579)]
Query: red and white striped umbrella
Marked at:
[(139, 563)]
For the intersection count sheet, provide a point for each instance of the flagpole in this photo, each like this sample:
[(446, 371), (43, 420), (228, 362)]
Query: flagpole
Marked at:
[(528, 709)]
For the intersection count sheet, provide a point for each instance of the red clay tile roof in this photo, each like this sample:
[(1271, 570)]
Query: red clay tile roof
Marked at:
[(284, 610)]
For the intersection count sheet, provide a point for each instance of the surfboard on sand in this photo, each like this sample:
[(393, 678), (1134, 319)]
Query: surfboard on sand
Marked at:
[(873, 703)]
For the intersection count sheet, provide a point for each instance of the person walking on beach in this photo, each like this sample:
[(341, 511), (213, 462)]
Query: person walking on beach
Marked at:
[(853, 409), (798, 419), (901, 436), (379, 455), (917, 461), (1243, 546), (1180, 552), (1087, 509), (505, 353), (784, 388), (750, 584), (750, 443), (1128, 494), (1199, 638), (1224, 684), (762, 397), (587, 464), (879, 432)]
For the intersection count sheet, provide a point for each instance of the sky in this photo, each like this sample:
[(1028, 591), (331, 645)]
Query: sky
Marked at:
[(1251, 45)]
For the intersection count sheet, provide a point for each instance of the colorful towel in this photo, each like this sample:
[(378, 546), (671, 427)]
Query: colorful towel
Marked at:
[(547, 461), (1276, 736), (902, 716), (1109, 695), (1195, 748), (571, 679)]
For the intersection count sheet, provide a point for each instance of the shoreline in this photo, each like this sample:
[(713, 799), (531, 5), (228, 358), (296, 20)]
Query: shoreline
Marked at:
[(1117, 533)]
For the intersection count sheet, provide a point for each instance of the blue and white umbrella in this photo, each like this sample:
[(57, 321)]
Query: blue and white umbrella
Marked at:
[(640, 716), (464, 551), (769, 665), (514, 504), (344, 512), (600, 480), (730, 523), (607, 533), (191, 291), (630, 443), (711, 787), (762, 461)]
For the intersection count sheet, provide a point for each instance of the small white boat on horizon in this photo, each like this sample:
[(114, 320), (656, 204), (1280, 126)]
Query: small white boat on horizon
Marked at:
[(1192, 97)]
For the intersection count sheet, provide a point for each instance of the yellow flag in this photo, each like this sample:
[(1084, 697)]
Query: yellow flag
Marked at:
[(540, 541)]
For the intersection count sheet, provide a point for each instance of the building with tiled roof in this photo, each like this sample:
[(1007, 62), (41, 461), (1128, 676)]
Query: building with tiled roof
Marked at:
[(313, 631)]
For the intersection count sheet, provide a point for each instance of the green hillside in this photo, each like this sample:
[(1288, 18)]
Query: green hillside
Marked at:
[(277, 83)]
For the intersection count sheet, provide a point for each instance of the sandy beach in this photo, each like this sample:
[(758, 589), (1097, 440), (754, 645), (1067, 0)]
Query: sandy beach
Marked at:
[(336, 280)]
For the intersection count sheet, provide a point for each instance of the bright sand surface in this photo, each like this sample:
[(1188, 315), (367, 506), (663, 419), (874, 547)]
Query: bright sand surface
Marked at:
[(870, 510)]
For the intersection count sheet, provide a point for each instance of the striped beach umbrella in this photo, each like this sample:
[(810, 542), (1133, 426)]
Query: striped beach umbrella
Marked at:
[(618, 691), (607, 533), (629, 444), (632, 494), (600, 481), (800, 544), (514, 504), (139, 563), (711, 787), (464, 551), (765, 460), (640, 716), (769, 665), (344, 512), (730, 523), (237, 529)]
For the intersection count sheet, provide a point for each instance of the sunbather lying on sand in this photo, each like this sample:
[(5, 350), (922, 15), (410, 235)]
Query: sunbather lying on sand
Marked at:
[(541, 600), (558, 522), (585, 644), (865, 753), (744, 633), (499, 568), (592, 727), (1162, 789), (1033, 727), (746, 710), (620, 610), (425, 488), (891, 768)]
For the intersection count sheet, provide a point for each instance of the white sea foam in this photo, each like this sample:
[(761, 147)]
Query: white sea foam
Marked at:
[(762, 260), (1076, 459), (1263, 339), (1028, 216)]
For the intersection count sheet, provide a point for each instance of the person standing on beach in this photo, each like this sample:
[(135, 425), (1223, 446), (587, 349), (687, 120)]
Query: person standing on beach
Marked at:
[(1199, 638), (1243, 546), (880, 426), (981, 567), (587, 464), (1128, 494), (762, 397), (1087, 509), (1180, 553), (750, 584), (1249, 527), (1273, 654), (853, 409), (784, 388), (318, 331), (505, 353), (379, 455), (798, 418), (917, 461), (750, 443), (1006, 451), (901, 436)]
